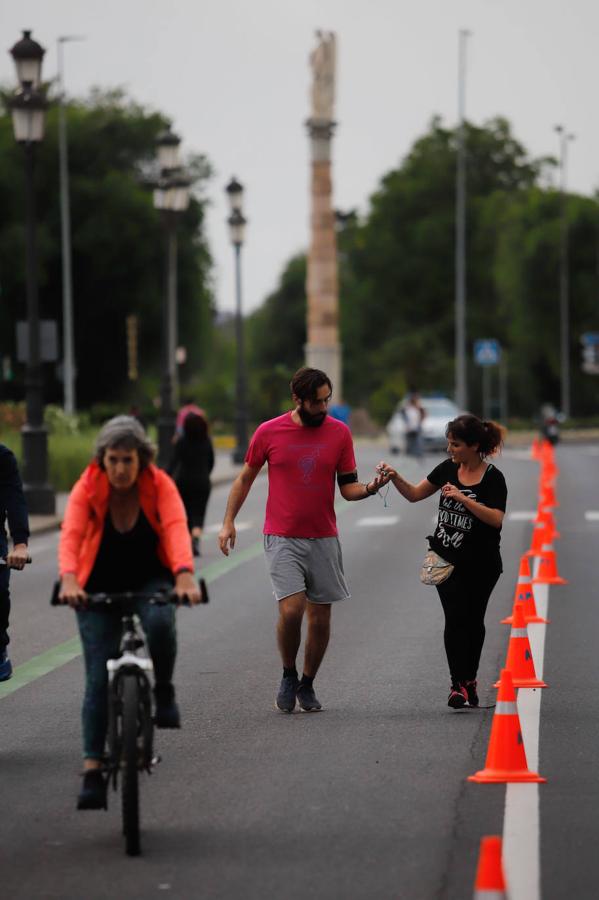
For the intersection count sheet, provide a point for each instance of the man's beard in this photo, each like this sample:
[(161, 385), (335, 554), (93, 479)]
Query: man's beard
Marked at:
[(312, 421)]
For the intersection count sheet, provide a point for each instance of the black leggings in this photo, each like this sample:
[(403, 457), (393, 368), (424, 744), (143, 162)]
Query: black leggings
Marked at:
[(464, 597)]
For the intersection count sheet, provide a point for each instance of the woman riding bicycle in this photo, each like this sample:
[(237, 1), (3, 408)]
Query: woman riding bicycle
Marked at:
[(124, 529)]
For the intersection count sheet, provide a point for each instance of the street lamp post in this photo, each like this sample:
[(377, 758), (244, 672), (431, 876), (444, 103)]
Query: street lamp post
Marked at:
[(171, 197), (28, 107), (68, 339), (564, 276), (461, 380), (237, 223)]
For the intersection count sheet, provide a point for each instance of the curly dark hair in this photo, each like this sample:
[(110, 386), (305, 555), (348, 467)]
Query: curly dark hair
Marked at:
[(468, 428)]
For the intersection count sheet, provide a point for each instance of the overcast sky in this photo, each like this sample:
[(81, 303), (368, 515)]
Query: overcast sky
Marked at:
[(234, 77)]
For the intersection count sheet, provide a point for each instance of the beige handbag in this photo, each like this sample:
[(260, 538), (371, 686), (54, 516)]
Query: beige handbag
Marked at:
[(435, 570)]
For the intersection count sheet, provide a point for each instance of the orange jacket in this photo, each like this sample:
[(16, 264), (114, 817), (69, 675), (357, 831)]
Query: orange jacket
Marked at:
[(87, 508)]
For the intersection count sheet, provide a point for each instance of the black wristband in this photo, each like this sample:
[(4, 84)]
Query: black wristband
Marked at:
[(369, 493)]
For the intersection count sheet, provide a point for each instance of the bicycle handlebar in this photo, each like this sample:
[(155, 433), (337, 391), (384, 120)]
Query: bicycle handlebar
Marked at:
[(157, 598)]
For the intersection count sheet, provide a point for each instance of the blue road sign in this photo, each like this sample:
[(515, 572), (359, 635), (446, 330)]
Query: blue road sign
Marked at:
[(487, 352)]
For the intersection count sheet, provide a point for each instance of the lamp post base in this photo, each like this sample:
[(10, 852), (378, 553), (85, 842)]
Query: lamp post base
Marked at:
[(238, 455), (40, 496), (166, 431)]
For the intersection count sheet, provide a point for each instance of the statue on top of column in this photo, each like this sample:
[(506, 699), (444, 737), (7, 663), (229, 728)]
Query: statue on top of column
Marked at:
[(322, 60)]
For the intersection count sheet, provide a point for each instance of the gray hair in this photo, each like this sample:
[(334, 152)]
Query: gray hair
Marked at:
[(127, 433)]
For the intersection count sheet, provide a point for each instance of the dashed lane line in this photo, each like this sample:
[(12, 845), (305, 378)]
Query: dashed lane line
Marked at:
[(521, 515), (592, 515), (377, 521)]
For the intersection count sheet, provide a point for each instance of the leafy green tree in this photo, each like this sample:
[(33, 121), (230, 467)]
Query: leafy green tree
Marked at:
[(117, 245)]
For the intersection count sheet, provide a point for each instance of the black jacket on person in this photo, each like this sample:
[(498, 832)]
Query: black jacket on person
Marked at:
[(192, 462), (12, 502)]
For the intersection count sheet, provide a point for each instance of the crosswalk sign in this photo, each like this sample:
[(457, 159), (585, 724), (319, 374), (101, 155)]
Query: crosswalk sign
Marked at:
[(487, 352)]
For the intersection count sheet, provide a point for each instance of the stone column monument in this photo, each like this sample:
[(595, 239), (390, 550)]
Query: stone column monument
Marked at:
[(323, 350)]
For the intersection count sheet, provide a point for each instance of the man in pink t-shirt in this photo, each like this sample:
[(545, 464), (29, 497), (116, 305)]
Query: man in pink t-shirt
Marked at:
[(305, 450)]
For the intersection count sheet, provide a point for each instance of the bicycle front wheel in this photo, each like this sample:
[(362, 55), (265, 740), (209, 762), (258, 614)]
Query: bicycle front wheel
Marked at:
[(130, 764)]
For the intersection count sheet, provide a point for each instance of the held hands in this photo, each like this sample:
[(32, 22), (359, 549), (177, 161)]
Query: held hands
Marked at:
[(17, 557), (385, 473), (226, 538)]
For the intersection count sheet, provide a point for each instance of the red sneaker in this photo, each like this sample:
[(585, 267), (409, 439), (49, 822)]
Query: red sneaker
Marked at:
[(471, 692), (458, 696)]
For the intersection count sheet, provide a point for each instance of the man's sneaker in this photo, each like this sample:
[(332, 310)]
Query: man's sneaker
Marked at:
[(5, 666), (457, 696), (93, 791), (307, 699), (471, 692), (287, 692), (167, 712)]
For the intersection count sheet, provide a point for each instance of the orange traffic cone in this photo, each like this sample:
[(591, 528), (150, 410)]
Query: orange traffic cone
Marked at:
[(519, 655), (547, 572), (490, 880), (535, 450), (545, 517), (540, 536), (506, 757), (548, 497), (525, 595)]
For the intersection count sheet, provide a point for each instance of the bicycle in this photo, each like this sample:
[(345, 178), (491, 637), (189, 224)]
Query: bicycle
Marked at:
[(130, 736)]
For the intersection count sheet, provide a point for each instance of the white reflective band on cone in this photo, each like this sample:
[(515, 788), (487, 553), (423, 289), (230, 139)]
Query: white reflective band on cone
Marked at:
[(506, 708), (519, 632), (524, 579), (546, 548)]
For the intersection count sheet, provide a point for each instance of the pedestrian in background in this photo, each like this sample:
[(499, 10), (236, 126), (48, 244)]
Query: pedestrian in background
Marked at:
[(192, 461), (413, 413), (14, 508), (467, 536)]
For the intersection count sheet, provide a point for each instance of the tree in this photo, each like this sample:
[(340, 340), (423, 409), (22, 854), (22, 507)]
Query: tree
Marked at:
[(117, 245)]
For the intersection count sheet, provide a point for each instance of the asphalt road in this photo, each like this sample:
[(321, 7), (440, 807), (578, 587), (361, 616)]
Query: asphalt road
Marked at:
[(367, 799)]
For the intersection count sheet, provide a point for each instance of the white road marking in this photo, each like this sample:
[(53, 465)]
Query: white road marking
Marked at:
[(518, 454), (521, 515), (239, 526), (377, 521), (592, 515), (521, 840)]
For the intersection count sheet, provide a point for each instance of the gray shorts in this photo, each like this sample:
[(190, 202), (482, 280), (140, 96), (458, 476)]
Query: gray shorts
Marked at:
[(313, 565)]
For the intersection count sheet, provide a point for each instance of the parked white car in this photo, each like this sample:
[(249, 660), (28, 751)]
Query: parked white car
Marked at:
[(439, 411)]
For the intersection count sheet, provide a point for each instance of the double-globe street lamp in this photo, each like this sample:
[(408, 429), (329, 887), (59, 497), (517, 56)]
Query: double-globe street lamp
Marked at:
[(28, 108), (237, 224), (171, 198)]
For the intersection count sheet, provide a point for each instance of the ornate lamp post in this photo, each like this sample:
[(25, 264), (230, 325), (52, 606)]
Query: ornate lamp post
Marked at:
[(171, 197), (237, 224), (28, 107)]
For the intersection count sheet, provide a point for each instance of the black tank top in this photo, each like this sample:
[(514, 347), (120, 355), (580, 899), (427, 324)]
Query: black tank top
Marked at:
[(126, 560)]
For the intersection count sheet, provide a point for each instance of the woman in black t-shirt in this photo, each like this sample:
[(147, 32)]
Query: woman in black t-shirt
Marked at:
[(467, 534)]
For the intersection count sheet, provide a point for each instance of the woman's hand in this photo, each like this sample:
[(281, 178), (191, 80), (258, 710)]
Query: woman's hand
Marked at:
[(453, 492), (385, 471), (186, 587), (72, 592)]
